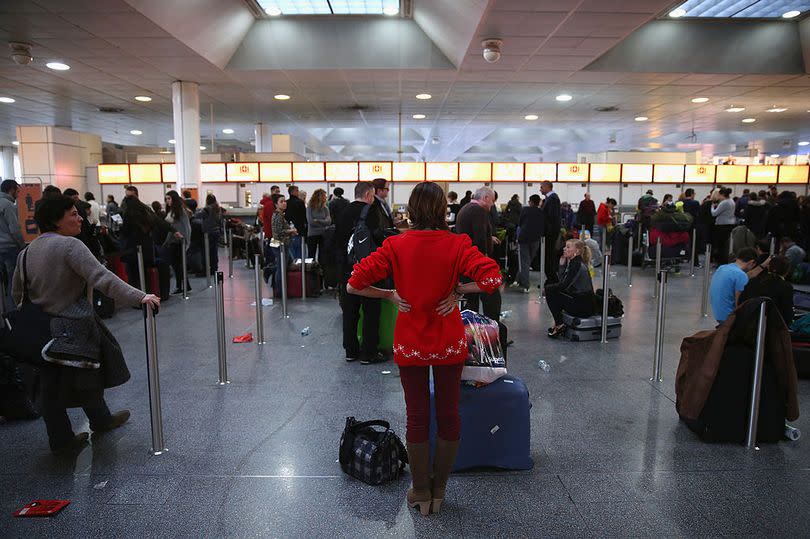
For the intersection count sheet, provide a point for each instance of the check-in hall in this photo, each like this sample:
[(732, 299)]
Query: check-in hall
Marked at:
[(404, 268)]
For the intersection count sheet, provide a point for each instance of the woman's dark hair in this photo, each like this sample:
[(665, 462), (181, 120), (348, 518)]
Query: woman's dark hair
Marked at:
[(428, 207), (274, 197), (753, 196), (88, 196), (136, 214), (50, 210), (177, 206), (51, 191), (210, 199), (211, 202), (779, 265)]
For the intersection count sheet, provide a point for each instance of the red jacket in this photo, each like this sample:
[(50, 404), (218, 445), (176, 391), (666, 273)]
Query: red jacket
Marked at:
[(268, 208), (603, 217), (426, 266)]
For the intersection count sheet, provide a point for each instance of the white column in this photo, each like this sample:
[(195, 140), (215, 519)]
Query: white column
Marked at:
[(186, 108), (263, 138), (7, 157)]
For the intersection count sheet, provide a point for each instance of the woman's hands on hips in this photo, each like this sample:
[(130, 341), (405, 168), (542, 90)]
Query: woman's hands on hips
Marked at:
[(401, 304), (448, 304)]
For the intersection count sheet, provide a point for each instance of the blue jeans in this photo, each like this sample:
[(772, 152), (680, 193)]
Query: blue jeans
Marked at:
[(295, 247)]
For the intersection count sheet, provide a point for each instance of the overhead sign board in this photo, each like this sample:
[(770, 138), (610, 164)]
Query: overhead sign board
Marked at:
[(572, 172), (113, 174), (275, 172), (699, 173), (243, 172), (409, 172), (605, 172)]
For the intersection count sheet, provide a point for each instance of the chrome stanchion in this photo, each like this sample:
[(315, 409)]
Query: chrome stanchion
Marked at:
[(773, 247), (693, 254), (604, 239), (303, 269), (141, 270), (282, 249), (248, 237), (259, 314), (223, 240), (542, 266), (756, 384), (221, 350), (657, 264), (630, 261), (660, 316), (207, 254), (605, 295), (230, 253), (153, 381), (704, 306), (183, 248)]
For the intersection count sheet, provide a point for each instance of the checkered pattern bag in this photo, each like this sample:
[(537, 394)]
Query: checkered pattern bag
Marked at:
[(370, 455)]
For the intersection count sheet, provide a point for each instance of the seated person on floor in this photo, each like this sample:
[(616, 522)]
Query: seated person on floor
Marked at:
[(772, 283), (574, 292)]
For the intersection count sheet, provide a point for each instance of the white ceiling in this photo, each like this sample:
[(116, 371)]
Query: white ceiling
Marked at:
[(476, 112)]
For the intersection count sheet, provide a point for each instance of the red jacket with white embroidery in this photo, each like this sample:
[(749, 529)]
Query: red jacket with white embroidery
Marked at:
[(426, 265)]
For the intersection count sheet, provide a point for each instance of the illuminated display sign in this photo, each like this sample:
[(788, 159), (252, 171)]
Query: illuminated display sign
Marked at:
[(341, 172), (637, 173), (145, 173), (572, 172), (668, 174), (308, 172), (731, 174), (370, 170), (475, 172), (763, 173), (275, 172), (409, 172), (113, 174), (243, 172), (792, 174), (606, 172), (169, 172), (539, 172), (507, 172), (441, 172), (212, 172), (699, 173)]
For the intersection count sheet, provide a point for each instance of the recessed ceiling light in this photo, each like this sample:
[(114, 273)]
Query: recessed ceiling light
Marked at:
[(391, 10), (423, 96), (418, 116), (700, 99), (136, 132), (143, 98), (15, 142), (273, 11), (228, 131), (791, 14), (564, 97), (531, 117), (281, 97), (172, 141), (777, 109), (57, 66), (774, 155), (749, 120), (203, 148), (804, 143), (6, 100), (735, 109), (675, 13), (641, 118)]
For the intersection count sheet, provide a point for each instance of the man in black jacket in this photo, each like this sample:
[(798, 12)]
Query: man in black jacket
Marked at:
[(380, 217), (551, 230), (297, 214), (350, 303), (530, 231)]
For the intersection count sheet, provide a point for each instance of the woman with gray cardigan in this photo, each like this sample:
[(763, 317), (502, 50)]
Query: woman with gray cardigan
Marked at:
[(55, 270), (318, 221), (723, 209)]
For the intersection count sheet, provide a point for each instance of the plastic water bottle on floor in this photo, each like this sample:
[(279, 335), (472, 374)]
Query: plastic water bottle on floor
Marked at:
[(506, 314), (305, 331), (543, 365)]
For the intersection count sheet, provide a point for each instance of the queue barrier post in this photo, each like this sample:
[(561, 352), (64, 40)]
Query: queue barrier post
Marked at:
[(657, 263), (605, 295), (153, 381), (693, 253), (303, 269), (259, 314), (707, 264), (184, 248), (542, 266), (660, 324), (756, 383), (282, 249), (207, 254), (630, 261), (141, 270), (221, 350), (230, 253)]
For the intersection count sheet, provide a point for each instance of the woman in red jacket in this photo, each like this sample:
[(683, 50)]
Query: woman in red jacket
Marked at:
[(426, 263)]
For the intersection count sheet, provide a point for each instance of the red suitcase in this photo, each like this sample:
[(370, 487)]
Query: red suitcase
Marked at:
[(153, 281), (294, 284), (117, 266)]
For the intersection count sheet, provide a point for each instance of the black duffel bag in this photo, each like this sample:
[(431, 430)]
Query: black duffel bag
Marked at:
[(26, 330), (370, 455)]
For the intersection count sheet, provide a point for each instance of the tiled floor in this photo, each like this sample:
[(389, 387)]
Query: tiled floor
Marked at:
[(258, 457)]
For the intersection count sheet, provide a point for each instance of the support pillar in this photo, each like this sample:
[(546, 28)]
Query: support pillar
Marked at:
[(7, 157), (186, 109), (264, 138)]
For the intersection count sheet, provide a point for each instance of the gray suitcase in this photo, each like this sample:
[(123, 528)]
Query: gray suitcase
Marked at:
[(592, 334), (594, 321)]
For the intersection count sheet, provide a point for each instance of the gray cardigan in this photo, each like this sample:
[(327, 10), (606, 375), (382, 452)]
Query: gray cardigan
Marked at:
[(317, 221), (59, 267), (724, 213)]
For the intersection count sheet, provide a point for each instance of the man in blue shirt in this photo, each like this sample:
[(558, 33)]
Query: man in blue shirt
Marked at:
[(728, 282)]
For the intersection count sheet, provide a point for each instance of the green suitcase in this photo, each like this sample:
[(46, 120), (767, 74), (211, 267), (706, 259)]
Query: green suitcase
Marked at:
[(388, 319)]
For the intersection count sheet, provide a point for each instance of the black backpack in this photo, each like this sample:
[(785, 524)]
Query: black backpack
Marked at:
[(362, 243)]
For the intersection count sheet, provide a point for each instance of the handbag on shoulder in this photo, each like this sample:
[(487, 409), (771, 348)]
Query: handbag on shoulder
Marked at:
[(373, 456), (29, 328)]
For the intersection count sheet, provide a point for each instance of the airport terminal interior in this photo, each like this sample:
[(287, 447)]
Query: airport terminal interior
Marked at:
[(237, 435)]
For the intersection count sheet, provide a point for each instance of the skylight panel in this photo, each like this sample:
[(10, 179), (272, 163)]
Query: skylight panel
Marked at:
[(740, 9), (329, 7)]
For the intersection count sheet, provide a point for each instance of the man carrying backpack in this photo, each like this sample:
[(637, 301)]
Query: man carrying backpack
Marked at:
[(345, 229)]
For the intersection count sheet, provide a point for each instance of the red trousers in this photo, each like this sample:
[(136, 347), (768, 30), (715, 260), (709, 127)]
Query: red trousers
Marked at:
[(446, 389)]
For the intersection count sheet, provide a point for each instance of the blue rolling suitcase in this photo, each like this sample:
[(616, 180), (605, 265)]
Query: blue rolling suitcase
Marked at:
[(495, 429)]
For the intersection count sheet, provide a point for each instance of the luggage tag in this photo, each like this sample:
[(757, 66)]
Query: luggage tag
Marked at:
[(42, 508)]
